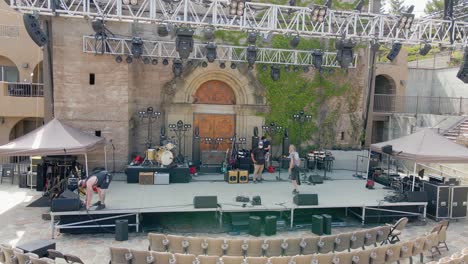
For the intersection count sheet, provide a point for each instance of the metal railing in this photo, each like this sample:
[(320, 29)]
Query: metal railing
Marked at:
[(25, 89), (387, 103), (444, 171)]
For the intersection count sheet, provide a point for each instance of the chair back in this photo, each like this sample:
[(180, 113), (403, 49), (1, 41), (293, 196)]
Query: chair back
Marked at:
[(309, 245), (400, 224), (382, 233), (357, 239), (342, 242), (176, 244), (234, 247), (442, 235), (293, 246), (120, 255), (280, 260), (142, 257), (73, 259), (157, 242), (162, 257), (406, 250), (9, 254), (322, 258), (343, 258), (195, 246), (274, 247), (370, 237), (326, 244), (214, 247), (254, 247), (184, 258), (208, 259), (232, 259), (257, 260)]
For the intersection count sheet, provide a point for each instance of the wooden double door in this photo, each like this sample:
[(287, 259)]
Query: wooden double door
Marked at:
[(215, 126)]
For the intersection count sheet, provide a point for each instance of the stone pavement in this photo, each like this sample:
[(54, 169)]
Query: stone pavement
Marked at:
[(20, 224)]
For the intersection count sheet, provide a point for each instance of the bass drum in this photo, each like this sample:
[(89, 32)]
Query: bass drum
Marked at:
[(164, 157)]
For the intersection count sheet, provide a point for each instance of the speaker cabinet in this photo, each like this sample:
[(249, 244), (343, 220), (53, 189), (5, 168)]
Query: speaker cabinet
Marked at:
[(33, 27), (317, 225), (327, 220), (68, 201), (396, 47), (270, 225), (233, 176), (316, 179), (306, 199), (285, 146), (121, 230), (205, 201), (255, 226), (243, 176), (196, 157), (387, 149)]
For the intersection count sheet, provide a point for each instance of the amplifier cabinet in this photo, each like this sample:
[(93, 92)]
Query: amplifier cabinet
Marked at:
[(438, 197), (459, 200)]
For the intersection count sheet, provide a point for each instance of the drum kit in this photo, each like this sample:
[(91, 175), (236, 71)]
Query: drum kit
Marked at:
[(163, 155)]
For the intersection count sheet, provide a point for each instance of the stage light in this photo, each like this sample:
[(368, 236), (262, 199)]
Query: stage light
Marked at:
[(204, 64), (98, 26), (294, 42), (328, 3), (165, 62), (396, 47), (406, 19), (137, 47), (163, 31), (318, 13), (154, 61), (211, 51), (345, 53), (130, 2), (287, 68), (190, 62), (359, 5), (252, 38), (306, 69), (222, 65), (275, 73), (118, 59), (251, 55), (172, 126), (129, 59), (292, 2), (146, 60), (233, 65), (237, 7), (375, 45), (295, 69), (264, 67), (425, 49), (184, 42), (317, 59), (177, 67)]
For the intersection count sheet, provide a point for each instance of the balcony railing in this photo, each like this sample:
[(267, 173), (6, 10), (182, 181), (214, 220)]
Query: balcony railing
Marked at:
[(25, 89), (386, 103)]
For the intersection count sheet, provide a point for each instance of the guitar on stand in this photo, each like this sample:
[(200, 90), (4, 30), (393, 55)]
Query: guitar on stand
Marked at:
[(225, 164), (233, 155)]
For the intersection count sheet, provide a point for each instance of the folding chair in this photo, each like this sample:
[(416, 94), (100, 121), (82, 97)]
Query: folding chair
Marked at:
[(396, 229)]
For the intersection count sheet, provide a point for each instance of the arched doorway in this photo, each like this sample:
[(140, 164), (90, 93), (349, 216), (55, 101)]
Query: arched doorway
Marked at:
[(8, 70), (384, 101), (215, 129), (25, 126), (38, 73), (384, 84)]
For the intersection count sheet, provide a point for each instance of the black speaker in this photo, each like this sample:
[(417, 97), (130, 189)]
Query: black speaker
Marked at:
[(256, 200), (396, 47), (255, 226), (327, 219), (255, 132), (316, 179), (317, 224), (285, 146), (417, 196), (196, 157), (121, 230), (40, 180), (463, 72), (387, 149), (306, 199), (33, 27), (270, 225), (68, 201), (205, 201), (255, 140)]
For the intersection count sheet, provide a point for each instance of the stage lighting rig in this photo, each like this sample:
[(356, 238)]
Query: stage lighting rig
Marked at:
[(177, 67), (211, 51), (272, 129), (130, 2), (151, 115), (184, 42), (233, 65), (118, 59), (180, 129), (294, 42), (129, 59), (318, 13), (252, 37), (237, 7), (317, 59), (165, 62), (301, 118), (345, 53), (275, 72), (425, 49), (154, 61), (137, 47), (406, 19), (163, 31), (146, 60), (222, 65), (251, 55)]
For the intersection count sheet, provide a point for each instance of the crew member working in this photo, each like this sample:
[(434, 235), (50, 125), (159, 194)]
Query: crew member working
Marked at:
[(101, 180)]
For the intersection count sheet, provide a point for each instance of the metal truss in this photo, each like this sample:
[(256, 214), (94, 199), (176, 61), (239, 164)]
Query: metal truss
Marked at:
[(275, 19), (165, 49)]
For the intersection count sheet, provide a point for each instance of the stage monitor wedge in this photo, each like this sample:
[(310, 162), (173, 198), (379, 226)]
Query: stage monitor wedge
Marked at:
[(306, 199), (205, 201), (33, 27)]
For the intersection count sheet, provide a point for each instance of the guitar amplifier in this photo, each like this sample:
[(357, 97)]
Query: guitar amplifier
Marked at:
[(146, 178), (243, 176), (233, 176)]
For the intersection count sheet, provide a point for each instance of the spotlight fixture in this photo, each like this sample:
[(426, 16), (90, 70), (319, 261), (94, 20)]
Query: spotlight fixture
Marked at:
[(295, 69), (163, 31), (237, 7), (190, 62), (375, 45), (287, 68), (359, 6), (165, 62), (118, 59), (146, 60), (177, 67), (130, 2), (425, 49), (211, 51), (294, 42), (306, 69), (264, 67), (137, 47), (251, 55), (184, 42), (252, 38), (317, 59), (406, 19), (318, 13), (129, 59), (222, 65), (233, 65), (396, 47), (292, 2), (345, 53), (154, 61), (98, 26), (204, 64), (275, 72)]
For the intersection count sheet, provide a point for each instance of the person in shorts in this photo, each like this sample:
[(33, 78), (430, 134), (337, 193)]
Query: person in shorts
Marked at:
[(294, 164), (100, 180), (258, 158)]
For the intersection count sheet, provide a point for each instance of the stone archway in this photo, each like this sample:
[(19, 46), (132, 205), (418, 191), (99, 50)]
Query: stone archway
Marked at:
[(384, 84), (8, 70)]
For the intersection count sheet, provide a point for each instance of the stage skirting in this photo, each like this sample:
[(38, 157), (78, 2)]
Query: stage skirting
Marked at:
[(176, 175)]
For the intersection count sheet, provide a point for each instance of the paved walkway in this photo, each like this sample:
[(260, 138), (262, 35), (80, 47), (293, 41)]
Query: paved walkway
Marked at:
[(20, 224)]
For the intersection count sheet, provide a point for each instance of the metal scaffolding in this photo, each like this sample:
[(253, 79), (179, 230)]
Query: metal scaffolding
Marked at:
[(225, 53), (268, 18)]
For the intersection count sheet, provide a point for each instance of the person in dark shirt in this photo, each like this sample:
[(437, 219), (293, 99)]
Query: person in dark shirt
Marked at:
[(266, 148), (258, 158), (100, 180)]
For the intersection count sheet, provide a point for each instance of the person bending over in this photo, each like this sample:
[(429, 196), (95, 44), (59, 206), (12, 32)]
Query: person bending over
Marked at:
[(100, 180), (294, 164), (258, 158)]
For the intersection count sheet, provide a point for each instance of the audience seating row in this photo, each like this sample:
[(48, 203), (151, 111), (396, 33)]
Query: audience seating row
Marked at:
[(9, 255), (456, 258), (268, 247), (384, 254)]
